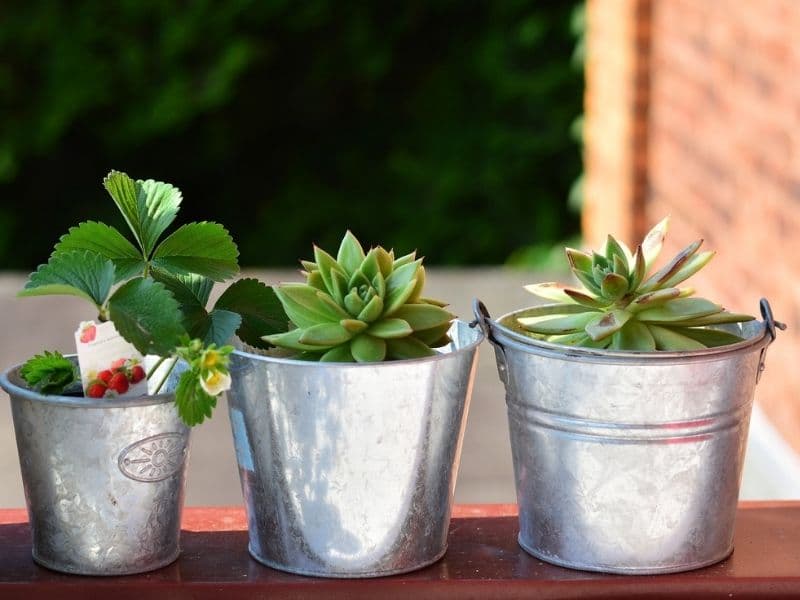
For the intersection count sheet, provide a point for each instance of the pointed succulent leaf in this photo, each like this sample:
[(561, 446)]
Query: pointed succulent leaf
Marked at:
[(147, 315), (616, 248), (107, 242), (434, 302), (719, 318), (372, 310), (357, 279), (304, 306), (638, 271), (679, 310), (418, 286), (339, 353), (326, 264), (353, 303), (586, 299), (314, 279), (204, 248), (579, 338), (621, 267), (653, 299), (289, 339), (338, 286), (149, 207), (354, 326), (689, 268), (309, 266), (670, 340), (607, 324), (379, 283), (399, 286), (76, 273), (370, 266), (710, 338), (351, 254), (385, 261), (423, 316), (259, 307), (580, 261), (652, 243), (633, 336), (390, 328), (660, 277), (325, 334), (554, 309), (405, 260), (559, 324), (435, 336), (551, 290), (407, 348), (366, 348), (598, 260), (614, 286)]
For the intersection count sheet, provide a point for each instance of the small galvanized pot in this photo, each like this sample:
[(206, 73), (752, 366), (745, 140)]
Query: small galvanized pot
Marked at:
[(348, 470), (627, 462), (103, 478)]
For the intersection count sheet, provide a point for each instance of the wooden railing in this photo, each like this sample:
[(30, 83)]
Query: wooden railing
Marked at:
[(483, 561)]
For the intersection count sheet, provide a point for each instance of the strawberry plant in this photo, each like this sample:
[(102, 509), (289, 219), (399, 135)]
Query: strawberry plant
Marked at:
[(155, 289)]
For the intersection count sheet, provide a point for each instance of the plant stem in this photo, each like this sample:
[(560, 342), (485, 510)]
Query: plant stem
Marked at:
[(166, 375)]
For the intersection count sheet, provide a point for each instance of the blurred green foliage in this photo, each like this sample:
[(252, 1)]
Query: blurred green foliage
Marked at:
[(438, 125)]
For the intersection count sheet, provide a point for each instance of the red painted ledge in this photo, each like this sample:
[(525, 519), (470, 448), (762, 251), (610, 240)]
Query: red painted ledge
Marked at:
[(483, 561)]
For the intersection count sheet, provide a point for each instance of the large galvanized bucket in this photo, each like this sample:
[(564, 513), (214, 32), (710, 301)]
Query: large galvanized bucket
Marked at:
[(348, 470), (627, 462), (103, 478)]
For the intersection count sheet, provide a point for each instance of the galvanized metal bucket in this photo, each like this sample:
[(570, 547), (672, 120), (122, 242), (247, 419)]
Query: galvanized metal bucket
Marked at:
[(348, 470), (103, 478), (627, 462)]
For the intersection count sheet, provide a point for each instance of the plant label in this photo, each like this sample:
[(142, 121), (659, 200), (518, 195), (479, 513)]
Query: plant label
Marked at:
[(110, 366)]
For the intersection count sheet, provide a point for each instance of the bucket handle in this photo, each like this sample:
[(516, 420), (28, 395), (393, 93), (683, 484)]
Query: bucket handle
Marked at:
[(484, 320), (771, 326)]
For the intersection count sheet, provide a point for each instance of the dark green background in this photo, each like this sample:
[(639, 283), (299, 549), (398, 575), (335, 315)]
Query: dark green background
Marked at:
[(438, 125)]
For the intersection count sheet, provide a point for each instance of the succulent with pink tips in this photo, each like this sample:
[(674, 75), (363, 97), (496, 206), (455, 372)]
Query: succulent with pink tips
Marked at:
[(622, 306), (361, 307)]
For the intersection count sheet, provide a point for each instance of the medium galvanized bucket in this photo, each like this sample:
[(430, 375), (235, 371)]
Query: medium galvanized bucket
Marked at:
[(103, 478), (348, 470), (627, 462)]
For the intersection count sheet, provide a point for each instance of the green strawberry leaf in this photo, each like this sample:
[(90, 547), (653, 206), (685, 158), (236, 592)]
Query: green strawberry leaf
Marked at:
[(146, 314), (193, 403), (219, 327), (77, 273), (149, 207), (49, 373), (203, 248), (259, 307), (107, 242)]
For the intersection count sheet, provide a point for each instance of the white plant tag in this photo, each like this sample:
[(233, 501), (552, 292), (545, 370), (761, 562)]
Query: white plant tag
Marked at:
[(110, 366)]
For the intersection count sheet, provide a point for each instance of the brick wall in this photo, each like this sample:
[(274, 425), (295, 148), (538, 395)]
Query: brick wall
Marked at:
[(719, 150)]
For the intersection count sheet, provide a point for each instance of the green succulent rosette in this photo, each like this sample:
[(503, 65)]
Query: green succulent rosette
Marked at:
[(361, 307), (621, 306)]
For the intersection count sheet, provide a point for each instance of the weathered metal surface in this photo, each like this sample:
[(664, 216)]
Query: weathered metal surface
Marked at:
[(348, 470), (627, 462), (103, 478)]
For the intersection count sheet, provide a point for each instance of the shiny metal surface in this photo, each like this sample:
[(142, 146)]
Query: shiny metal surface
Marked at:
[(627, 462), (348, 470), (103, 478)]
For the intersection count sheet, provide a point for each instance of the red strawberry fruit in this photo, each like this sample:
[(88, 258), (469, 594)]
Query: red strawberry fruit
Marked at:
[(88, 334), (118, 383), (118, 364), (137, 374), (105, 376), (96, 390)]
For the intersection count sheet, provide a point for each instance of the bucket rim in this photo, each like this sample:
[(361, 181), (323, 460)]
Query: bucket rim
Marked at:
[(14, 386), (505, 336), (439, 356)]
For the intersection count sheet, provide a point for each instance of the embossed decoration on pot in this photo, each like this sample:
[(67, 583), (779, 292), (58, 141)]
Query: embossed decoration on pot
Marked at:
[(93, 508), (628, 462), (348, 470)]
